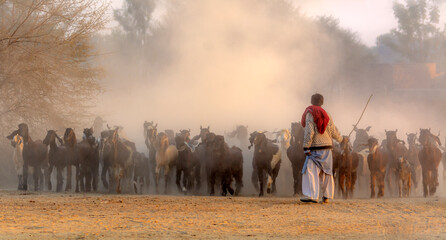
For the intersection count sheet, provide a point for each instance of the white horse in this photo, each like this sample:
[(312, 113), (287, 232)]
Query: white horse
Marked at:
[(17, 158), (166, 156), (283, 138)]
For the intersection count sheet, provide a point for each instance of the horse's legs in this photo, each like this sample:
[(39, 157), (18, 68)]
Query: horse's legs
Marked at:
[(166, 179), (295, 178), (255, 179), (178, 179), (425, 182), (372, 184), (77, 177), (36, 175), (50, 172), (341, 184), (185, 181), (353, 182), (88, 181), (59, 179), (212, 183), (380, 177), (25, 176), (69, 173), (238, 182), (95, 180), (261, 179), (104, 171), (198, 177), (157, 178)]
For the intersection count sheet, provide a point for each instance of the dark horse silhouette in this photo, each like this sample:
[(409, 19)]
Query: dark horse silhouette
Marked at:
[(296, 155), (35, 154), (70, 142), (87, 161), (57, 157), (225, 165), (187, 163), (267, 160), (430, 157)]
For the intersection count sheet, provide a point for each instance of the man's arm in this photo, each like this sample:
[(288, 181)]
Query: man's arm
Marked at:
[(309, 132), (336, 135)]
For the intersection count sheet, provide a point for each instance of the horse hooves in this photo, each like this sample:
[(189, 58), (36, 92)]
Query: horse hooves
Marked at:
[(268, 191)]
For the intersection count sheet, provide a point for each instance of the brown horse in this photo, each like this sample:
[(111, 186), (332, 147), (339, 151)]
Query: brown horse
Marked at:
[(430, 157), (35, 154), (70, 142), (88, 163), (412, 157), (296, 155), (377, 162), (347, 168), (396, 150)]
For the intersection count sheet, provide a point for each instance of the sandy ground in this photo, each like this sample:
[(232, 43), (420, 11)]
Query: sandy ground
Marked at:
[(78, 216)]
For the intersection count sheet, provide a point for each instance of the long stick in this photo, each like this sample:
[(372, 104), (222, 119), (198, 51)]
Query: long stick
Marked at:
[(361, 115)]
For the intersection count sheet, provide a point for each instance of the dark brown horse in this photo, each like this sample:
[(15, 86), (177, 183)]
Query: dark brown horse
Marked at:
[(226, 164), (267, 158), (430, 157), (140, 168), (57, 157), (70, 142), (186, 164), (88, 162), (296, 155), (347, 170), (377, 162), (35, 154)]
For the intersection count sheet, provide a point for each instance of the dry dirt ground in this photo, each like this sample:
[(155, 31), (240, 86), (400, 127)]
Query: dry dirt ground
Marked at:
[(91, 216)]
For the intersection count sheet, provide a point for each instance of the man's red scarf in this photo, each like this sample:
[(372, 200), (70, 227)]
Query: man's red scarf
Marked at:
[(320, 117)]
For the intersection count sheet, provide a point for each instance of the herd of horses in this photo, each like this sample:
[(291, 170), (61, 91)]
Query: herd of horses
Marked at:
[(207, 157)]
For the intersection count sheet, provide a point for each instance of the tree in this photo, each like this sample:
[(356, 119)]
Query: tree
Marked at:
[(418, 37), (135, 17), (47, 77)]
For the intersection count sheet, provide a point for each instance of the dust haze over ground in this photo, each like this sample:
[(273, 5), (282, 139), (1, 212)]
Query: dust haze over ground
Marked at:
[(251, 62)]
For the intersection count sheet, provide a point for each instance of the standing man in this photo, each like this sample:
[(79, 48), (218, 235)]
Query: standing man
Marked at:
[(318, 143)]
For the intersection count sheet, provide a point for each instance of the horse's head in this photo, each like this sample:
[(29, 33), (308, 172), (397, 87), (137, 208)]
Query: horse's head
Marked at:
[(260, 142), (252, 137), (219, 146), (345, 145), (204, 132), (283, 136), (162, 142), (411, 138), (185, 134), (242, 131), (179, 142), (373, 145), (392, 139), (427, 138), (297, 130), (17, 141), (23, 131), (362, 134), (151, 130), (69, 137)]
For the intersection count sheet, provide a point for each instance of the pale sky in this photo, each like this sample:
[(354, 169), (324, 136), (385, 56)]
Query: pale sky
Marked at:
[(368, 18)]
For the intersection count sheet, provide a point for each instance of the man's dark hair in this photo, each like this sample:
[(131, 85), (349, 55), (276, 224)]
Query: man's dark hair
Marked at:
[(317, 99)]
